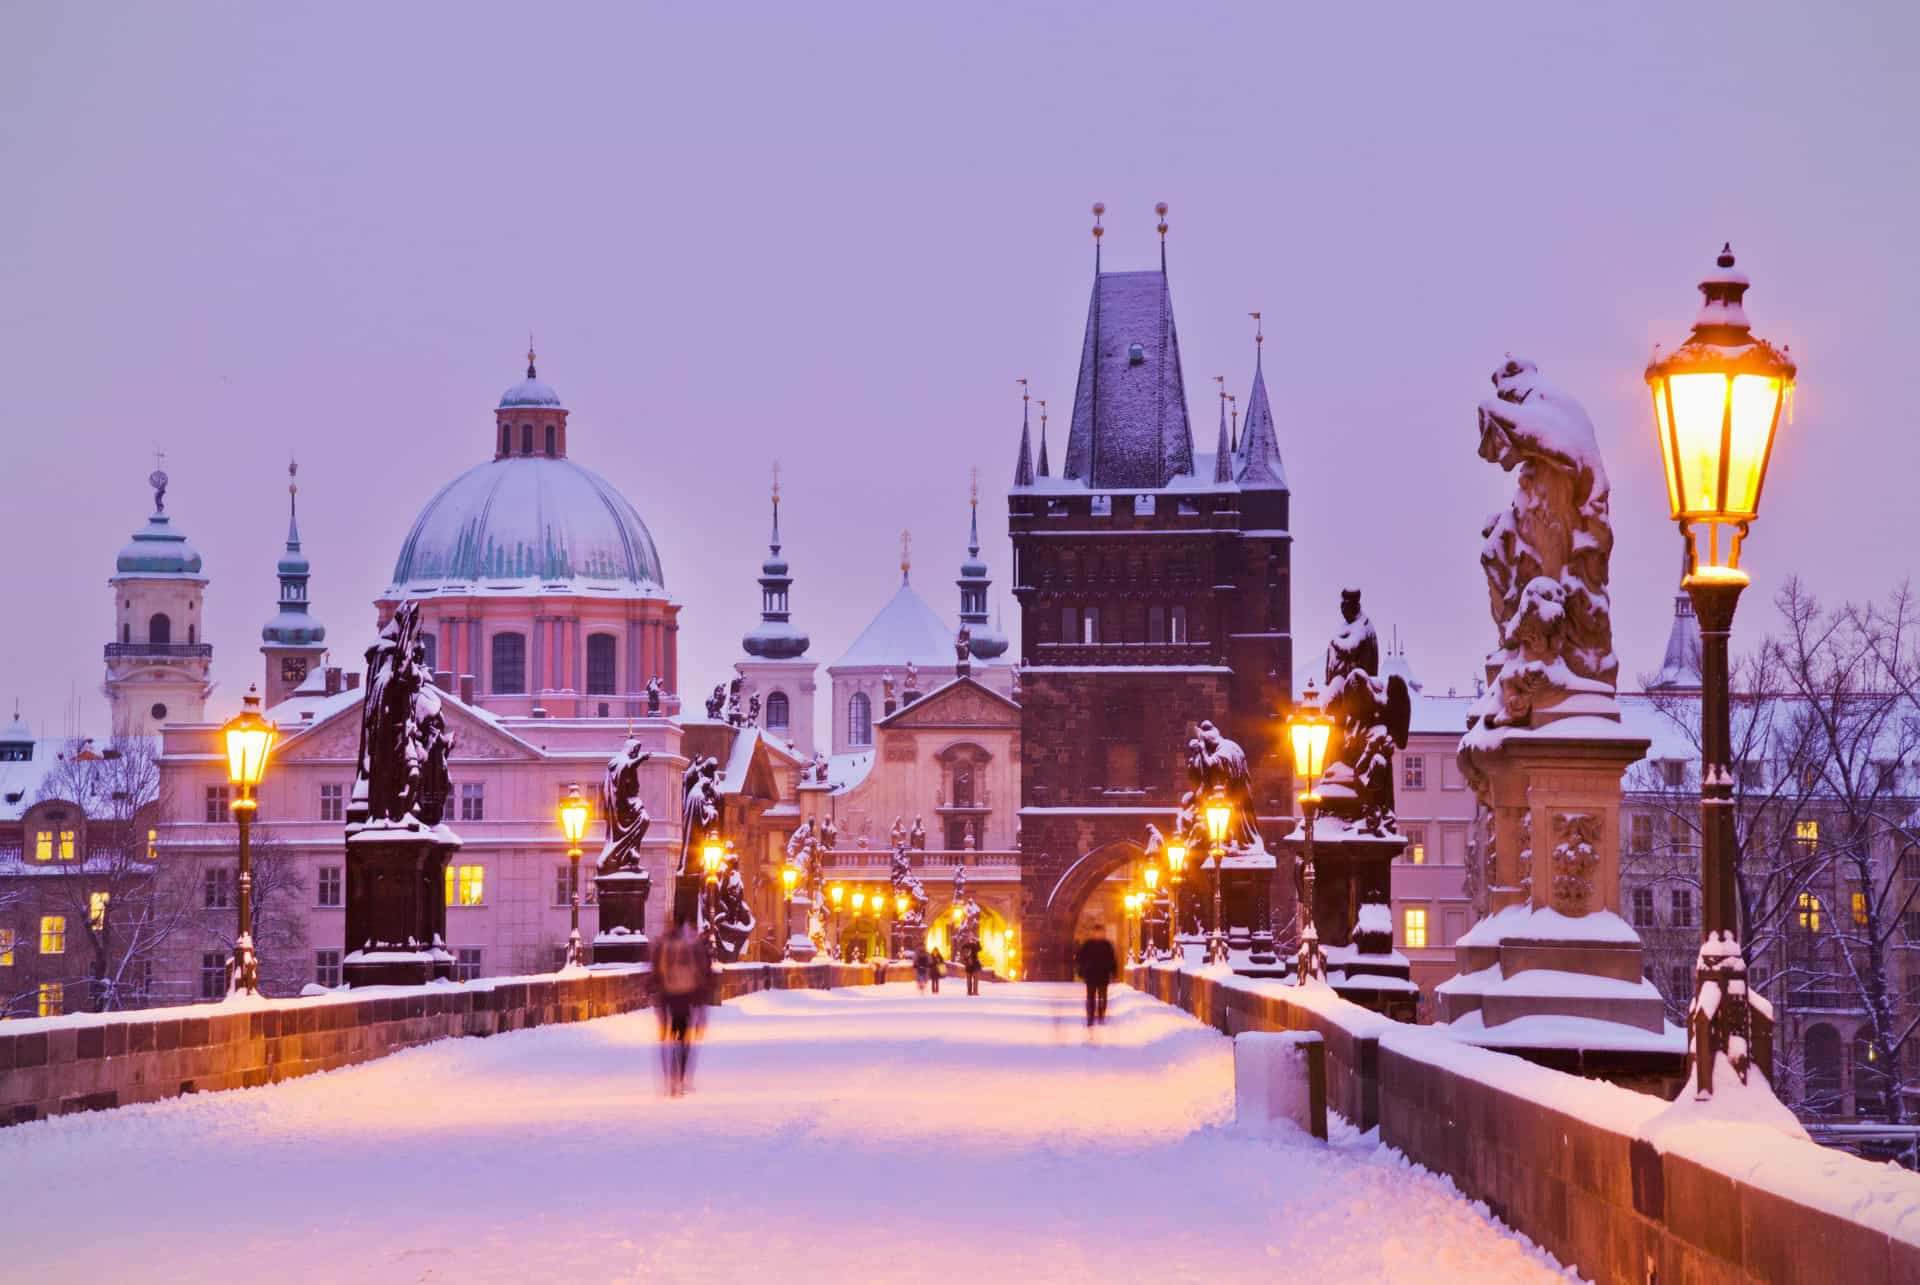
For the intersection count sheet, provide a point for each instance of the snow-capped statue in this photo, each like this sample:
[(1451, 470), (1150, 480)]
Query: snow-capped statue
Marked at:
[(1216, 763), (829, 832), (959, 884), (624, 809), (803, 853), (717, 702), (1372, 714), (912, 687), (404, 742), (905, 881), (917, 837), (653, 696), (731, 917), (1546, 558), (969, 933), (700, 814)]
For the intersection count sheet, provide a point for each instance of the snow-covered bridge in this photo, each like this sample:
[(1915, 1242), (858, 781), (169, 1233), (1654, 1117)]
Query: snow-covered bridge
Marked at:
[(858, 1134)]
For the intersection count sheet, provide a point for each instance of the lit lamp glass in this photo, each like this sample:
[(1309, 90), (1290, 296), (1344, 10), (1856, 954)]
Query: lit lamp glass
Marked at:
[(790, 875), (900, 905), (1717, 400), (249, 738), (1219, 814), (1176, 857), (859, 900), (712, 853), (1308, 733), (1151, 874), (573, 817), (836, 892)]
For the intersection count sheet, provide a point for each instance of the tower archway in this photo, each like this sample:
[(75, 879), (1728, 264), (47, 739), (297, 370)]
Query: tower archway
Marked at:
[(1082, 892)]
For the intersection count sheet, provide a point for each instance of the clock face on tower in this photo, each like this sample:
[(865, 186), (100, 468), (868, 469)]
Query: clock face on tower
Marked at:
[(293, 670)]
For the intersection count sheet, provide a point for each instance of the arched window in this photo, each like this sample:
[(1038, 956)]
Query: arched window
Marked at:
[(430, 644), (779, 714), (526, 439), (1869, 1077), (509, 664), (193, 633), (1823, 1069), (159, 629), (126, 633), (600, 670), (552, 439), (506, 440), (859, 719)]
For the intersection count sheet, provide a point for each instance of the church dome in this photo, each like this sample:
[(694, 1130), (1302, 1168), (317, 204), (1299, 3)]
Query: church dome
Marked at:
[(530, 392), (528, 524), (157, 549)]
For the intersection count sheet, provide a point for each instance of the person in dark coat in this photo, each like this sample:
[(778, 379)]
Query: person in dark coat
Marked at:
[(970, 956), (1096, 964), (683, 981)]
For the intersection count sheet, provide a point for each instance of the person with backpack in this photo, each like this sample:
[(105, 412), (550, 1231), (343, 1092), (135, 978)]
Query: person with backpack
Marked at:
[(682, 973)]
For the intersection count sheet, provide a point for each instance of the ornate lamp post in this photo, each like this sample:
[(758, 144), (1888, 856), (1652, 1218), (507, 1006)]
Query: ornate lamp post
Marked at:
[(713, 855), (859, 904), (789, 876), (1308, 732), (1716, 405), (1219, 814), (1149, 875), (249, 737), (1176, 875), (1130, 904), (835, 894), (900, 902), (573, 823)]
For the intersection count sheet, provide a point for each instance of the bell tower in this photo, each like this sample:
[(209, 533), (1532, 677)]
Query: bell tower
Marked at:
[(293, 642), (157, 665)]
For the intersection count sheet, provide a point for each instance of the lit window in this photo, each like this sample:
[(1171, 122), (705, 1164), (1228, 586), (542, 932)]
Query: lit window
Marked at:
[(326, 967), (1415, 918), (1416, 853), (328, 887), (465, 884), (97, 911), (67, 845), (473, 801), (333, 802), (1809, 913), (1860, 908), (53, 999), (1808, 834), (53, 934), (6, 948), (153, 845), (43, 845), (1413, 772)]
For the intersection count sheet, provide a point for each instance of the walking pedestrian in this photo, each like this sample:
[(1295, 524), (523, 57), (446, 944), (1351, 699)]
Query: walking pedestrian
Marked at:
[(922, 967), (935, 967), (1096, 964), (682, 976), (970, 956)]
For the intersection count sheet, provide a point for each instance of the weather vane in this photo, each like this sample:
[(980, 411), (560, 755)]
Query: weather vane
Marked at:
[(1259, 334)]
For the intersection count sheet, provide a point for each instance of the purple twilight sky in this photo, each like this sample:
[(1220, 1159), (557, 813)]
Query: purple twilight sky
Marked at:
[(836, 234)]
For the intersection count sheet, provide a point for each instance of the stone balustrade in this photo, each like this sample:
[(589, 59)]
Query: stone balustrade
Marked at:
[(93, 1061), (1595, 1174)]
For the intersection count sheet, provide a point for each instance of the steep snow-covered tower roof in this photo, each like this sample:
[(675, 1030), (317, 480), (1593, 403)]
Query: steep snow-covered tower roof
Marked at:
[(294, 625), (1023, 462), (1257, 464), (985, 642), (906, 629), (775, 637), (1680, 664)]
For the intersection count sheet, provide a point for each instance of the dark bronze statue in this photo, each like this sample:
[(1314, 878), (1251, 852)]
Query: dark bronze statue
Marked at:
[(404, 743), (625, 811), (1371, 718)]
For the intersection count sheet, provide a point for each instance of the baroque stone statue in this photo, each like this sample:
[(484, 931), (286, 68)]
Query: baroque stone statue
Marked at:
[(653, 696), (404, 742), (731, 917), (700, 813), (917, 837), (1216, 763), (1545, 557), (904, 880), (717, 702), (1372, 715), (625, 811)]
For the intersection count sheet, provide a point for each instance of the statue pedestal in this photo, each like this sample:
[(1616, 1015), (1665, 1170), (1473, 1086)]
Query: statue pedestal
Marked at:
[(622, 938), (1554, 945), (396, 908), (1246, 905), (1353, 914)]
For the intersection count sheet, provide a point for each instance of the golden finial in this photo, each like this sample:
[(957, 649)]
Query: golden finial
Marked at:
[(1259, 334), (530, 374), (1023, 388), (776, 481), (1042, 403), (973, 487), (1099, 208), (1222, 381), (1161, 210), (906, 555)]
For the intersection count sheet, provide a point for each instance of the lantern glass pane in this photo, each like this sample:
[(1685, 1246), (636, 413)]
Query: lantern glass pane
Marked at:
[(1665, 426), (1322, 730), (1301, 734), (1699, 415), (1756, 401)]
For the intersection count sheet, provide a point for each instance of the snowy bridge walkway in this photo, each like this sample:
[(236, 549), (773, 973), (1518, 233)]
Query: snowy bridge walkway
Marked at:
[(854, 1135)]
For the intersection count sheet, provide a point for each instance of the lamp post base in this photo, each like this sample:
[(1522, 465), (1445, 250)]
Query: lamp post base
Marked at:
[(576, 956), (243, 969), (1725, 1020)]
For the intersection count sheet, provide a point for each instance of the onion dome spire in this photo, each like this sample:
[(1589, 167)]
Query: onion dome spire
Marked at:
[(775, 638), (985, 643), (293, 625)]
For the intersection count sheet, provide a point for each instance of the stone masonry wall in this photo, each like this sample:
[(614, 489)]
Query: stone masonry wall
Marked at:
[(1586, 1170), (89, 1062)]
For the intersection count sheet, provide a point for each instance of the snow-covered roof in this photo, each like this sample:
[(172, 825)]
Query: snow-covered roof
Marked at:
[(906, 629), (1258, 464), (527, 524), (844, 771), (20, 781), (530, 392), (1680, 665), (1129, 425), (158, 552), (309, 703)]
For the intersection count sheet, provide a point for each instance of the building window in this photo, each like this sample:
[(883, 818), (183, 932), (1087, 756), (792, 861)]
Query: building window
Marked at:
[(153, 845), (1090, 627), (506, 439), (1415, 931), (213, 974), (779, 713), (1413, 772), (53, 999), (1753, 774), (1640, 834), (1910, 863), (97, 911), (53, 934), (6, 948), (330, 886), (1679, 834), (219, 800), (326, 967), (509, 664), (466, 965), (1416, 853), (43, 845), (859, 719), (159, 629), (430, 644), (1643, 907), (1912, 922), (1809, 914), (552, 442), (67, 845), (473, 800), (1682, 907), (333, 802), (565, 883), (600, 675), (1807, 834), (1860, 909), (1177, 625), (526, 439), (1156, 624), (1679, 984), (216, 884), (1673, 773), (466, 885)]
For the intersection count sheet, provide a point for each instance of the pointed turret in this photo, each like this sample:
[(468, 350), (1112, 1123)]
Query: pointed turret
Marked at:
[(986, 642), (1223, 448), (292, 641), (775, 638), (1045, 471), (1257, 465), (1680, 665), (1023, 464)]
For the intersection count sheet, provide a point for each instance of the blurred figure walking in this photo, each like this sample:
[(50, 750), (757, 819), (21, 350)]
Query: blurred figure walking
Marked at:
[(970, 957), (682, 979), (1096, 964)]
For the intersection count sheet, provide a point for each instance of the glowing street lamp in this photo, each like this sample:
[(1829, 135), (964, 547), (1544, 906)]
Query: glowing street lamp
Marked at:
[(1717, 401), (1309, 731), (836, 893), (1219, 814), (573, 824), (789, 877), (1176, 875), (249, 738)]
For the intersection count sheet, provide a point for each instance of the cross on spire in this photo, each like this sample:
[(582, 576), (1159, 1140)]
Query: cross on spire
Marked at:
[(906, 555)]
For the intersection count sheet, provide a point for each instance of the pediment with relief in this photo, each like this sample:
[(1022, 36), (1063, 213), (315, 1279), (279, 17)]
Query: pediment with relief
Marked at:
[(338, 739), (961, 704)]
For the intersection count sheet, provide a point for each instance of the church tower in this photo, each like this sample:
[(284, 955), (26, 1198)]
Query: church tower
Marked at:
[(157, 666), (986, 643), (777, 670), (293, 642)]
